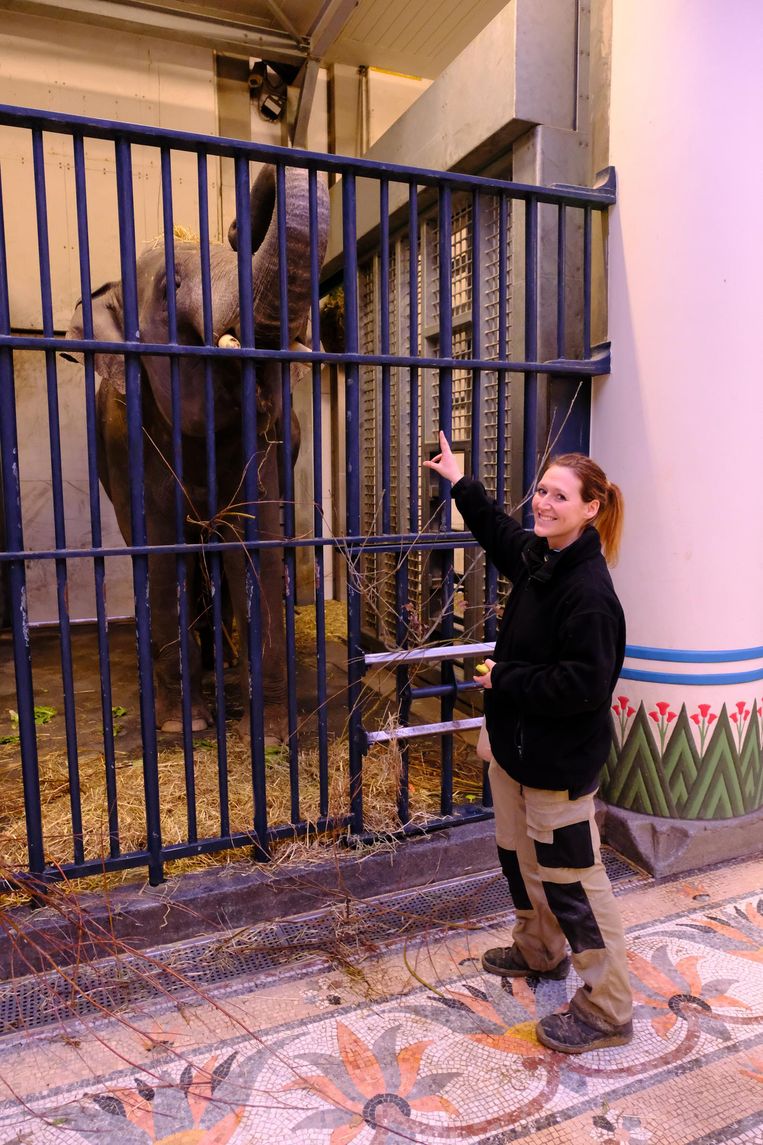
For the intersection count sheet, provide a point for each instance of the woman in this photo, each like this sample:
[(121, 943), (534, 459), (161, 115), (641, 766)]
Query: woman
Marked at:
[(547, 697)]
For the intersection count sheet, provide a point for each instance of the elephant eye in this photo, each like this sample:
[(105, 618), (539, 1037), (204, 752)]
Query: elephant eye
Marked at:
[(163, 285)]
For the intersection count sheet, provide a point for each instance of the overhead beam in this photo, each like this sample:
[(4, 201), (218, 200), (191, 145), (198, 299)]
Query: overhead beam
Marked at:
[(233, 37), (329, 24), (309, 78), (282, 18)]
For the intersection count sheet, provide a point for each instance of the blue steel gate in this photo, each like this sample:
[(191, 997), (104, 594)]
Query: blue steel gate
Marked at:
[(405, 534)]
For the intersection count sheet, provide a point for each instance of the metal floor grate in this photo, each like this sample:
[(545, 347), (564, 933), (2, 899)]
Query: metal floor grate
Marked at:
[(100, 988)]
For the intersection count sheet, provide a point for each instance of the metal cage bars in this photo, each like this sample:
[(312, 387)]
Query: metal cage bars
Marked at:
[(440, 543)]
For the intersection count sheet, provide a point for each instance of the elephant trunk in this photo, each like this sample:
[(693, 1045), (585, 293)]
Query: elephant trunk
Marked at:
[(267, 310)]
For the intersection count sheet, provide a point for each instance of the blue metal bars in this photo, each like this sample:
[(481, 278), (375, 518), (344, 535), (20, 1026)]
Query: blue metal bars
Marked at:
[(192, 362)]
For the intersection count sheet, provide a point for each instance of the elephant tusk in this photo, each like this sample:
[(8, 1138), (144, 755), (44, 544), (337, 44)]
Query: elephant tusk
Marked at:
[(228, 342)]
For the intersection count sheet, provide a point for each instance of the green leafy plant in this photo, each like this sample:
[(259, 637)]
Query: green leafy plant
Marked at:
[(43, 714), (117, 712)]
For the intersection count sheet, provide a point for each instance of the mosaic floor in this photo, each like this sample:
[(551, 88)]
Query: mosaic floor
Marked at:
[(414, 1043)]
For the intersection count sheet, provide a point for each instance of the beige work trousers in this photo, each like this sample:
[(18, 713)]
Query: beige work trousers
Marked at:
[(562, 893)]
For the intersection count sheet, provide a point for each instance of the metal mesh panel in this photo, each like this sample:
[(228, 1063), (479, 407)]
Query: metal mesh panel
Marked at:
[(370, 422), (491, 294), (385, 562), (416, 560), (461, 388), (461, 258), (379, 614), (491, 297)]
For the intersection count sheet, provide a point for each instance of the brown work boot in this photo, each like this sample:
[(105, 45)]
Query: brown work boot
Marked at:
[(568, 1033), (509, 963)]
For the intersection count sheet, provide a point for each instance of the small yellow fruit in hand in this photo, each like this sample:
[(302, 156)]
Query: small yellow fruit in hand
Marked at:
[(481, 670)]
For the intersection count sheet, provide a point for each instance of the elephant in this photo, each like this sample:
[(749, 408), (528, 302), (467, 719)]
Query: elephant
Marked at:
[(159, 478)]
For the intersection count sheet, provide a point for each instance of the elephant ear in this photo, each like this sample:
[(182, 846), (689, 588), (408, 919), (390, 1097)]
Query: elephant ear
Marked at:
[(107, 327)]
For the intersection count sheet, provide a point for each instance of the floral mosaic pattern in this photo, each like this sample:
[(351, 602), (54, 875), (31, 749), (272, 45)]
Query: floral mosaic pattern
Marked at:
[(455, 1061)]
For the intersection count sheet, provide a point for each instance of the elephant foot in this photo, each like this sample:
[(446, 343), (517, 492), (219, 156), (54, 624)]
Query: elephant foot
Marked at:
[(169, 716), (276, 727), (198, 724)]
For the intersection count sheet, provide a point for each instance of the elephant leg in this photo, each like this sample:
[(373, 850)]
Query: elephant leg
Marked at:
[(269, 593), (165, 648), (113, 468)]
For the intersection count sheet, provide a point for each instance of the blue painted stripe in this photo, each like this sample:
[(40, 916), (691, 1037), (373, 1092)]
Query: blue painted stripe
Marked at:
[(685, 656), (695, 680)]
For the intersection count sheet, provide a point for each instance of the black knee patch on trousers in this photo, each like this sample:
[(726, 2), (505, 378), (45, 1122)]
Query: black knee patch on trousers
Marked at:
[(570, 906), (572, 847), (510, 867)]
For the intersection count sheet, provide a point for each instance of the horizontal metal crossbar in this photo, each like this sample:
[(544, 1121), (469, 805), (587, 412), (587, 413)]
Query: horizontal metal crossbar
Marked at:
[(410, 542), (418, 731), (567, 366), (132, 859), (597, 198), (426, 655)]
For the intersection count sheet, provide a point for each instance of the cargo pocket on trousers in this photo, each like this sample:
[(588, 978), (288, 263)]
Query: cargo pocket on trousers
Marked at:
[(560, 828)]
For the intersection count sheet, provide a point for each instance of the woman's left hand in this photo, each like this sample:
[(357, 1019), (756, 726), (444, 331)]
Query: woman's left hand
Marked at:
[(485, 681)]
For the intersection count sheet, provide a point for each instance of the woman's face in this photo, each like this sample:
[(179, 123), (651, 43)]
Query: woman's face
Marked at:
[(560, 512)]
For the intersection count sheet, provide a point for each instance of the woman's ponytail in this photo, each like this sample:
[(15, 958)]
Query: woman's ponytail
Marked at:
[(609, 523)]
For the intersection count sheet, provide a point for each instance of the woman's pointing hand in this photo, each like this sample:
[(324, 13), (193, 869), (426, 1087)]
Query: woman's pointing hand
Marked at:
[(444, 463)]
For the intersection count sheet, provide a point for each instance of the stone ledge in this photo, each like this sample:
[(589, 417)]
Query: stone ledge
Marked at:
[(93, 925), (666, 847)]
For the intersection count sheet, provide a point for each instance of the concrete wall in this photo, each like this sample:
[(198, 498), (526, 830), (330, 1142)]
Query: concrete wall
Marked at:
[(520, 71), (365, 102)]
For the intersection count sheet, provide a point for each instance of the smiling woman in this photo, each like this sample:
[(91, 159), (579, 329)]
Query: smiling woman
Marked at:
[(560, 512), (574, 492), (548, 691)]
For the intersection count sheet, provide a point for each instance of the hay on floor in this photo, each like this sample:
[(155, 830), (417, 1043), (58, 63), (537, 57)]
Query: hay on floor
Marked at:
[(381, 778)]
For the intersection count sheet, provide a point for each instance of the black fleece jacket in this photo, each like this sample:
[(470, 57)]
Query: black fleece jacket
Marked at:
[(559, 651)]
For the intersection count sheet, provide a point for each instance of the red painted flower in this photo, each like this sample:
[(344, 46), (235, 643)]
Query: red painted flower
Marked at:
[(703, 710), (671, 716), (662, 707)]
